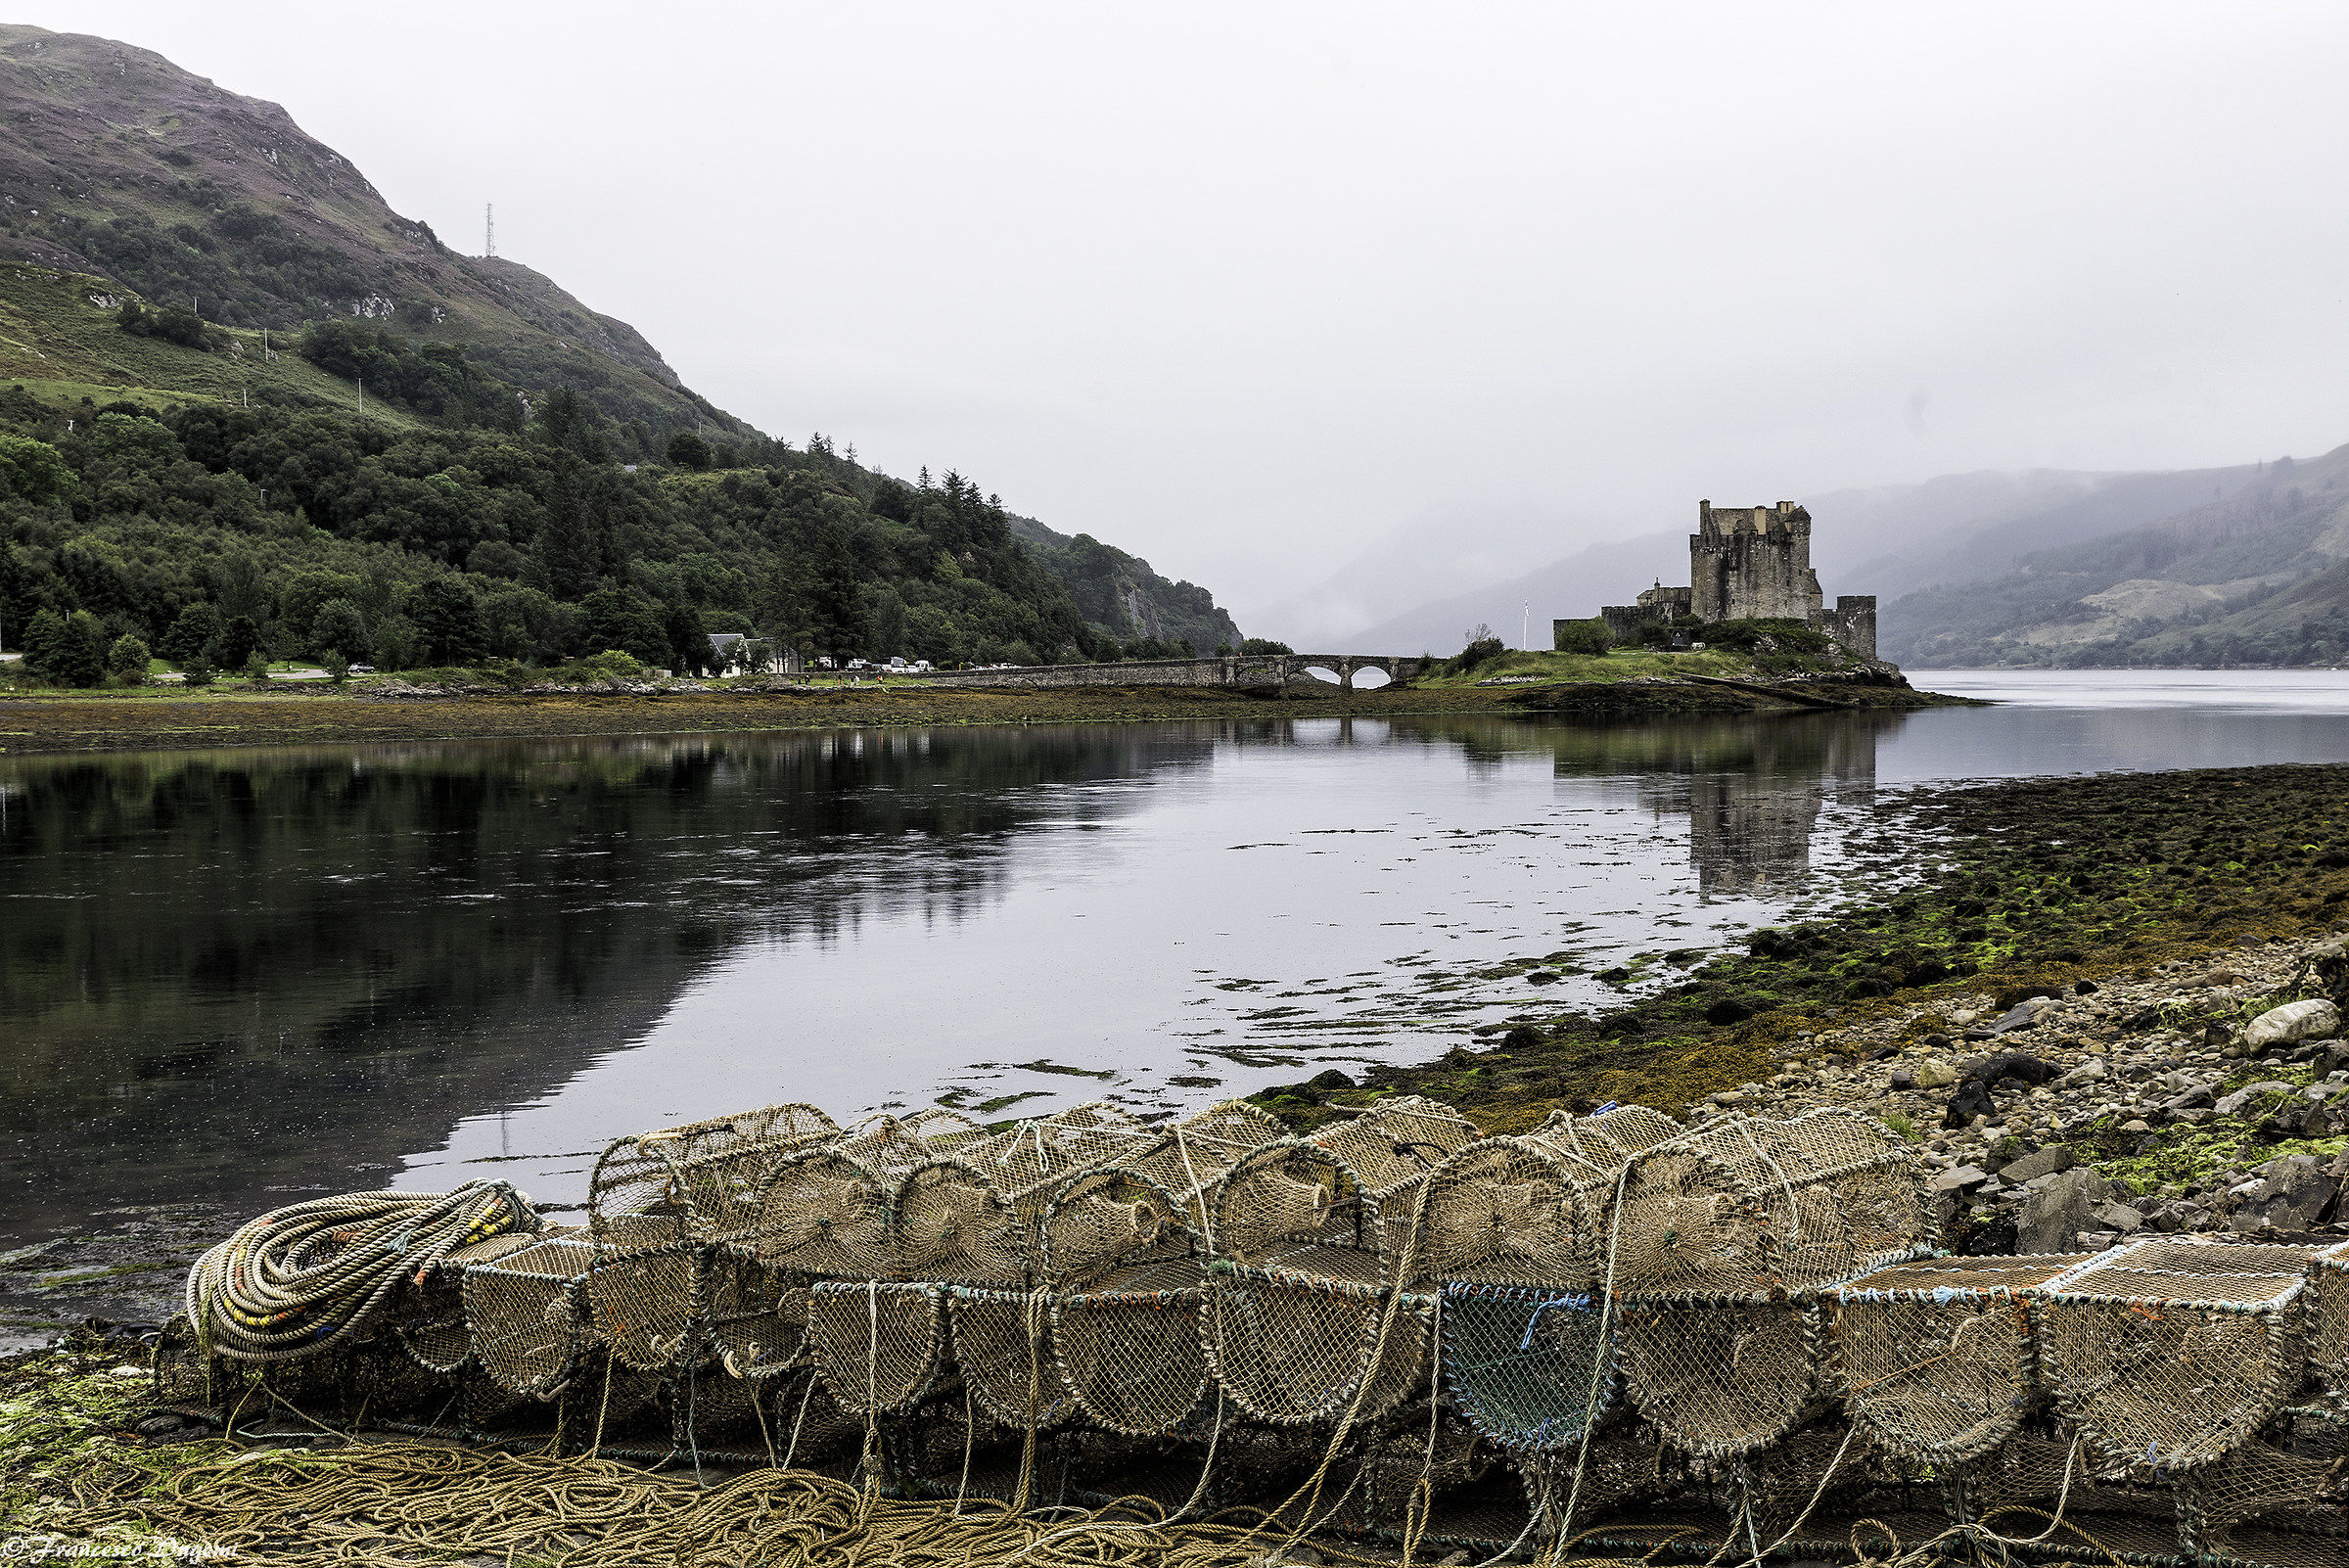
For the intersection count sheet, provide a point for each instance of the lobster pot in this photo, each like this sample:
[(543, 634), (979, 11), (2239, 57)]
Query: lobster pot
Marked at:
[(693, 1181), (1188, 1158), (1745, 1206), (1525, 1367), (1514, 1211), (1106, 1221), (1433, 1446), (808, 1422), (1719, 1378), (948, 1221), (1936, 1354), (1130, 1346), (1031, 1163), (890, 1146), (1290, 1347), (823, 1214), (1392, 1146), (429, 1319), (526, 1315), (1610, 1137), (645, 1300), (1826, 1459), (1291, 1202), (2015, 1489), (2329, 1325), (2284, 1502), (2172, 1353), (1002, 1343), (878, 1345), (747, 1329)]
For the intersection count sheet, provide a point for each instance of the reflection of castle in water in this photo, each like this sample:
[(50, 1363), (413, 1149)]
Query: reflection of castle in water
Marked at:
[(1752, 788), (1749, 830)]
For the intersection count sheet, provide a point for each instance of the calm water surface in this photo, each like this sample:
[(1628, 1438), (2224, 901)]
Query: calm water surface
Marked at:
[(225, 976)]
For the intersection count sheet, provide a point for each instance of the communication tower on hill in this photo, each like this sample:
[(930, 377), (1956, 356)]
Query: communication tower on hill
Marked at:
[(490, 231)]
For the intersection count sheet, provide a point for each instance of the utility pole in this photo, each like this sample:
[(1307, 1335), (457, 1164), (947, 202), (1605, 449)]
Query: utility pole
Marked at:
[(490, 231), (1524, 627)]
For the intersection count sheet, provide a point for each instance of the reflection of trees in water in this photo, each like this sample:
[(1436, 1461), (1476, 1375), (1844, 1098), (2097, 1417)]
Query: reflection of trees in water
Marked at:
[(1751, 786), (213, 961)]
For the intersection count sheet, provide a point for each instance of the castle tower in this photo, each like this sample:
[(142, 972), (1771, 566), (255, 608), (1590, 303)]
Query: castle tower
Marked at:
[(1753, 563)]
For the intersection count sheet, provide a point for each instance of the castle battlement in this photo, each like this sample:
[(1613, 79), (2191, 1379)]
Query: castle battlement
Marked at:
[(1752, 563)]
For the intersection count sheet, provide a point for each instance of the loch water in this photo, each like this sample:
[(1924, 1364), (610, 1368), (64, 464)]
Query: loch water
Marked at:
[(232, 977)]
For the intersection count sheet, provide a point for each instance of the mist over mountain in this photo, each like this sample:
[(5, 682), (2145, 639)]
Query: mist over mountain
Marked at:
[(245, 383), (1915, 546)]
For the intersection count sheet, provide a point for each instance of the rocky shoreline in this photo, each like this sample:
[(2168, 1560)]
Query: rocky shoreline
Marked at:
[(2197, 1100)]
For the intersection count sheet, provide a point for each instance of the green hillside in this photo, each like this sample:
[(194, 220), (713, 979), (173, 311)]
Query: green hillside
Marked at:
[(256, 389), (2258, 578)]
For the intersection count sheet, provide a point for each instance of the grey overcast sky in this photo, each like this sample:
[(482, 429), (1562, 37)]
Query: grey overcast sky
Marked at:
[(1251, 289)]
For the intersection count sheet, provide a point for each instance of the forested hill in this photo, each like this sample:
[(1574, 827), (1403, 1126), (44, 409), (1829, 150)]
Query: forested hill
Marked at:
[(236, 367)]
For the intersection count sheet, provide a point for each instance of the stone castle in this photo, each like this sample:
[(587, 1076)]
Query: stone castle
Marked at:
[(1751, 563)]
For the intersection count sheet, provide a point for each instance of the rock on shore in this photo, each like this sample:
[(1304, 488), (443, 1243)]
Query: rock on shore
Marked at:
[(2206, 1098)]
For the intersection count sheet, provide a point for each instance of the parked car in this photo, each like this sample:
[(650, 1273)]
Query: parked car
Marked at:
[(363, 670)]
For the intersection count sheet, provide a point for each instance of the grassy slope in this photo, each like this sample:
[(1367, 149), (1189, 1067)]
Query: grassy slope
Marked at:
[(99, 129), (58, 341)]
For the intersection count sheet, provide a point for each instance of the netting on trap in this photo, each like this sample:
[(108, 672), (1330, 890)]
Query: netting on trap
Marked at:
[(2329, 1326), (1427, 1443), (693, 1182), (2171, 1352), (1935, 1356), (1002, 1345), (1751, 1205), (1527, 1366), (1609, 1137), (2283, 1498), (1128, 1347), (1394, 1146), (879, 1345), (1291, 1202), (1514, 1211), (645, 1300), (1187, 1159), (826, 1215), (1290, 1346), (1033, 1160), (948, 1221), (526, 1312), (745, 1321), (1719, 1378)]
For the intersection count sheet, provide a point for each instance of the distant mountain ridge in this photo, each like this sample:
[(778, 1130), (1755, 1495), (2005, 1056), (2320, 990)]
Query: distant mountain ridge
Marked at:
[(1921, 549), (2259, 575)]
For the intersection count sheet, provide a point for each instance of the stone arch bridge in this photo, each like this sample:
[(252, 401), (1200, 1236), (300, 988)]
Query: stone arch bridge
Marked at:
[(1234, 671)]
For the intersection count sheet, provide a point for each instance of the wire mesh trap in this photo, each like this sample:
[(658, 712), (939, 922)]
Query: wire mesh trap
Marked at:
[(1527, 1368), (1613, 1335), (1750, 1205), (1130, 1348), (1936, 1356), (2328, 1331), (525, 1313), (2171, 1352), (878, 1345), (1720, 1377)]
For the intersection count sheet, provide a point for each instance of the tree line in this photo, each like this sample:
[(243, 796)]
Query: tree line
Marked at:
[(211, 536)]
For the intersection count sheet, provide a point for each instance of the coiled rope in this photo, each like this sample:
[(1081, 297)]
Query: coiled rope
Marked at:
[(304, 1277)]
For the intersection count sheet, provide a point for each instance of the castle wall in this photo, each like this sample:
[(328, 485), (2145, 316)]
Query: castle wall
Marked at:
[(1753, 563), (1852, 623)]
